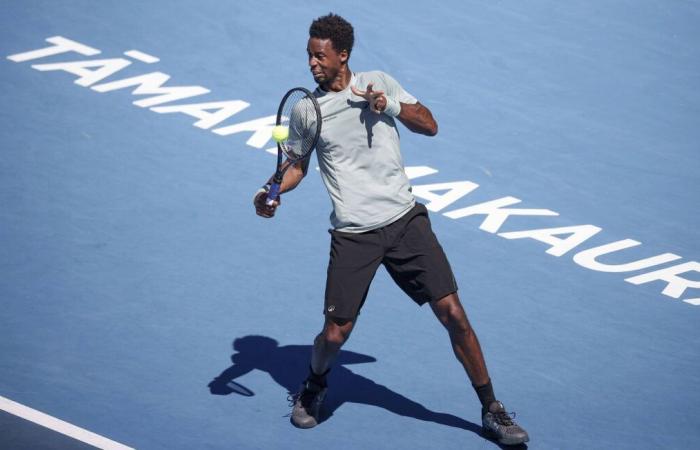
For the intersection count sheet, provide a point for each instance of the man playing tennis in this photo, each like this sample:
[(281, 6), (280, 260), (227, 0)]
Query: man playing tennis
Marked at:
[(376, 220)]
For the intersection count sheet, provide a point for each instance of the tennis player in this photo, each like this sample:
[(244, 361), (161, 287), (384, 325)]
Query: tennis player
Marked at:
[(376, 219)]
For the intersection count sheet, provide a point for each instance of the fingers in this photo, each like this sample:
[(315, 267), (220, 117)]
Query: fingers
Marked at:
[(262, 208), (266, 211), (376, 99), (380, 103), (368, 94), (357, 92), (372, 93)]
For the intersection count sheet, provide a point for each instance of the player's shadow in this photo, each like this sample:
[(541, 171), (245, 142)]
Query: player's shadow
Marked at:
[(288, 366)]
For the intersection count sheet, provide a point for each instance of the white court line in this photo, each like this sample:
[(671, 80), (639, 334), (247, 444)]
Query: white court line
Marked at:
[(59, 426), (141, 56)]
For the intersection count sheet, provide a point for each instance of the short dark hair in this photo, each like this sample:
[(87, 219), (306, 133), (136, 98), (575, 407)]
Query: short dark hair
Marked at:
[(335, 28)]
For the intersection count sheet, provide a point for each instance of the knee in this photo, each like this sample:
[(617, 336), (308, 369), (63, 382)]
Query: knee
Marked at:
[(454, 318), (330, 338), (334, 335), (457, 322)]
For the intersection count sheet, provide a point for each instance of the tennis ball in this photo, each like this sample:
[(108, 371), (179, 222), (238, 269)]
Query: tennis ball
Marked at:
[(280, 133)]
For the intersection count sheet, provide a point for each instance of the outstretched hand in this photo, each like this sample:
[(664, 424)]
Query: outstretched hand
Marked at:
[(376, 99)]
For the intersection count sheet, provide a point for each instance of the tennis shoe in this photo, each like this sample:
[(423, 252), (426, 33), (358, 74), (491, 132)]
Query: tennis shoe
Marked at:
[(499, 425), (307, 404)]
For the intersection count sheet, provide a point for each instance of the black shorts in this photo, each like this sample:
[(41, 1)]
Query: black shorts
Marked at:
[(408, 249)]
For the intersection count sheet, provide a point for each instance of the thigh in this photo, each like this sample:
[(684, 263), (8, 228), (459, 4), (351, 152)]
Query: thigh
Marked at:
[(354, 260), (417, 262)]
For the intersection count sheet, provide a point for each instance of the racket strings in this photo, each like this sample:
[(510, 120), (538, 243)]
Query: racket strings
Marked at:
[(303, 123)]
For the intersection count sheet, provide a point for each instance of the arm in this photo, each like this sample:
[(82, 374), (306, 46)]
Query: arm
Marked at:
[(291, 179), (415, 117), (418, 119), (293, 176)]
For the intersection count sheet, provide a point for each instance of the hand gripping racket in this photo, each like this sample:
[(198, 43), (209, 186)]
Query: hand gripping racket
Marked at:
[(300, 110)]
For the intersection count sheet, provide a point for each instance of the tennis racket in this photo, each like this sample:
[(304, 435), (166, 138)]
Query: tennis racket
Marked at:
[(300, 112)]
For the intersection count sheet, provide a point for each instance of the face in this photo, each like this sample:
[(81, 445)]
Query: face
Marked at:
[(324, 61)]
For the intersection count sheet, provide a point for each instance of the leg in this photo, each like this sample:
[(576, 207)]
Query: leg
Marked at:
[(351, 268), (307, 405), (353, 262), (464, 341), (328, 343), (497, 423), (419, 266)]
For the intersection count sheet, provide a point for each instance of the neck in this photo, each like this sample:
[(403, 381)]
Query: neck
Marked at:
[(340, 82)]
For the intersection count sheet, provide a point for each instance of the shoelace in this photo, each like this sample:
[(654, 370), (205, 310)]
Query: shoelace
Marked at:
[(504, 418), (305, 395)]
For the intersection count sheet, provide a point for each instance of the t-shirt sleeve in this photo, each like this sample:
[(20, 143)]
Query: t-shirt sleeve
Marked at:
[(302, 127), (393, 89)]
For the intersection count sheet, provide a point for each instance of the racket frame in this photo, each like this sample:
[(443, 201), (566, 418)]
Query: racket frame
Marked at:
[(274, 191)]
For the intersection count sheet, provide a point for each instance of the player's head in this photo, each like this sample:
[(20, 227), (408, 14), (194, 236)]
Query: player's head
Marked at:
[(330, 43)]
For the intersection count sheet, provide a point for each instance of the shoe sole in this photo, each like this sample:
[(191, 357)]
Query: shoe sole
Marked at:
[(491, 435), (303, 426)]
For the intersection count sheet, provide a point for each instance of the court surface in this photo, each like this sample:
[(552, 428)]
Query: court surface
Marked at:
[(145, 302)]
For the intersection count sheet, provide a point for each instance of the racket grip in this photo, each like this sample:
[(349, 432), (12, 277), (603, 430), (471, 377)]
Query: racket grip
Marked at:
[(273, 193)]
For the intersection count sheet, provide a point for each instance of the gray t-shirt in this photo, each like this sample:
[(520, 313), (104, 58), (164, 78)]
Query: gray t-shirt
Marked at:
[(359, 157)]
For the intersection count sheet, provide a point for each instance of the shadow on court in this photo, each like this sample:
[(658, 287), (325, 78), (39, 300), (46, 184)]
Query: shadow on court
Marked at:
[(288, 366)]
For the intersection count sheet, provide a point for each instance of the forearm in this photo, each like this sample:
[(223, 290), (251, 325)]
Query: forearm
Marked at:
[(418, 119), (292, 177)]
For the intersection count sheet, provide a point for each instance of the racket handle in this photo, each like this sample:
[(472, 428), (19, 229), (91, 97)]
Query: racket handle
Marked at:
[(273, 193)]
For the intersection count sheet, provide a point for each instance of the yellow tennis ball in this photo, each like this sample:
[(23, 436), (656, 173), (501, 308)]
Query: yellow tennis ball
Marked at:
[(280, 133)]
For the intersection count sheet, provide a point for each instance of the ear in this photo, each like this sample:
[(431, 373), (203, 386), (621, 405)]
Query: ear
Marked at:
[(344, 56)]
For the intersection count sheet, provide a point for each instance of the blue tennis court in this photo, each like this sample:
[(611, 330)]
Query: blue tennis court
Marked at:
[(145, 305)]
